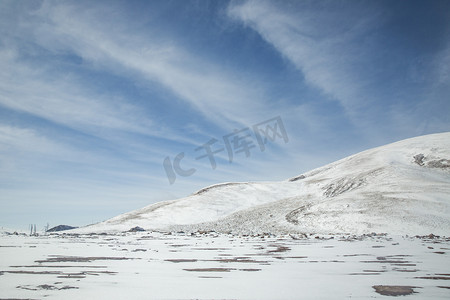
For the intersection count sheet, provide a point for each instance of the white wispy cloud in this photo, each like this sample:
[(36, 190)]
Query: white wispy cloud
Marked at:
[(62, 99), (23, 138), (442, 66), (57, 101), (222, 97), (317, 42)]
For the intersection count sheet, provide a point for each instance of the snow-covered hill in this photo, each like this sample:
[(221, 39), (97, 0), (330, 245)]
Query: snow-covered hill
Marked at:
[(400, 188)]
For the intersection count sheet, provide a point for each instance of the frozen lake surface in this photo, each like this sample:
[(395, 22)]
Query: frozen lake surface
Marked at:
[(152, 265)]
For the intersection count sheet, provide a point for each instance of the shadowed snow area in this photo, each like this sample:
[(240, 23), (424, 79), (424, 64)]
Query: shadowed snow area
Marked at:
[(400, 188)]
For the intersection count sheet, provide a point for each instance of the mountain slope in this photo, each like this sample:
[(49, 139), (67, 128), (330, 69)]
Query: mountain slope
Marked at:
[(400, 188)]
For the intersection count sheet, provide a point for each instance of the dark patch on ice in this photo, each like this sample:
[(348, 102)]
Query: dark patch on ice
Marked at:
[(279, 248), (394, 262), (394, 290), (34, 272), (399, 255), (181, 260), (17, 299), (83, 274), (238, 260), (79, 259), (61, 274), (434, 277), (406, 270), (72, 276), (45, 287), (374, 271), (210, 270), (212, 249), (58, 266)]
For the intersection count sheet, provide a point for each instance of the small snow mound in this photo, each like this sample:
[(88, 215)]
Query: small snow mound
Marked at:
[(61, 228), (136, 229)]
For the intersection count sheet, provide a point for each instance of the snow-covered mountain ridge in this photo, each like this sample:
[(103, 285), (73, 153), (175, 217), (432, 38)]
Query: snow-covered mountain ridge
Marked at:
[(400, 188)]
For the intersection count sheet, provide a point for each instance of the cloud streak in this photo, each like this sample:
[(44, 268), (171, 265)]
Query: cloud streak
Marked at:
[(220, 96), (318, 45)]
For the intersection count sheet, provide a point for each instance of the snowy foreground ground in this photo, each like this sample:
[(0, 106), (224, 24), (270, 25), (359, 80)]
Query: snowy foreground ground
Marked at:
[(209, 266)]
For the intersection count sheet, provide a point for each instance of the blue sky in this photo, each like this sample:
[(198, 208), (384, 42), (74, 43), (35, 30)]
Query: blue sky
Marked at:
[(95, 95)]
